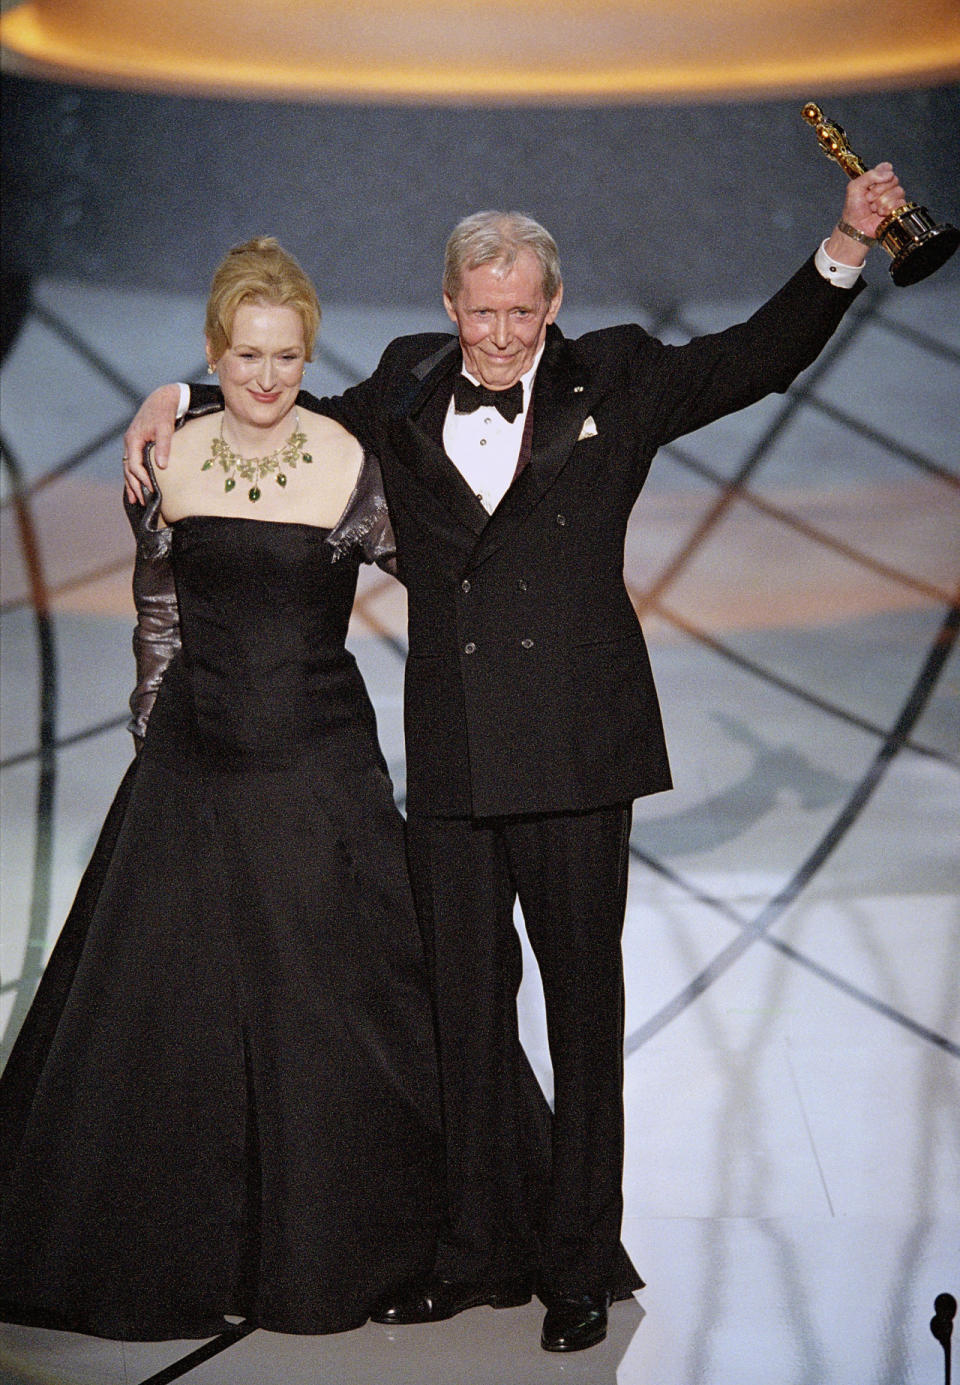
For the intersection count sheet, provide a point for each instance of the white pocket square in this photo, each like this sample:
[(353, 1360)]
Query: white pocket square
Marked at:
[(589, 429)]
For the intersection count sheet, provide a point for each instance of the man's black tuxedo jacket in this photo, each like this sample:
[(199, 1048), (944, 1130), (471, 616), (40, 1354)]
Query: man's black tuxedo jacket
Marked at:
[(528, 687)]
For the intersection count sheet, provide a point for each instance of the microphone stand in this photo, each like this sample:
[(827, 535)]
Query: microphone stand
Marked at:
[(941, 1325)]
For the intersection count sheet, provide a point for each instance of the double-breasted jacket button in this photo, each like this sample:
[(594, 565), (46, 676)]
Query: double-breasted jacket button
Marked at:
[(527, 644), (465, 585), (470, 648), (561, 521), (522, 584)]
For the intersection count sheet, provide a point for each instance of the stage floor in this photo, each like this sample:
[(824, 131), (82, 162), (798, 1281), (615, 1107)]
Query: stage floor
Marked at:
[(792, 943)]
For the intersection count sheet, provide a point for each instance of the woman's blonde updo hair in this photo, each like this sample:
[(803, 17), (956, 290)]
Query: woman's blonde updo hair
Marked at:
[(259, 271)]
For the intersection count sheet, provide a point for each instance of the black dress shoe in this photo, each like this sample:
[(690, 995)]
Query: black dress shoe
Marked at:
[(575, 1322), (443, 1298)]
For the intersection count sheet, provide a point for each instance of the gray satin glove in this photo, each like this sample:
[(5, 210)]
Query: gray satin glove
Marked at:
[(156, 638), (365, 523)]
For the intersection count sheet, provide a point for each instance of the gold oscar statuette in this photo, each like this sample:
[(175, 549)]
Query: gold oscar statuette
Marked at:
[(909, 233)]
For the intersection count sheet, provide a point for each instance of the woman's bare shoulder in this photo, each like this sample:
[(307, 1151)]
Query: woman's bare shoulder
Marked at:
[(332, 437), (192, 439)]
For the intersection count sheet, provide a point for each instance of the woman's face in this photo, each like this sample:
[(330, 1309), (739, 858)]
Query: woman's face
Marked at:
[(261, 369)]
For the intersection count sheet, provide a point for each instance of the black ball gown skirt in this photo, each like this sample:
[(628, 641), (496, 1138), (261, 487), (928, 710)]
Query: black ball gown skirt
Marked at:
[(224, 1098)]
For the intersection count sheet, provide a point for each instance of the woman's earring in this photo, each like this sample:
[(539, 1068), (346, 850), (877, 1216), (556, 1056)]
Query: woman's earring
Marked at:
[(211, 370)]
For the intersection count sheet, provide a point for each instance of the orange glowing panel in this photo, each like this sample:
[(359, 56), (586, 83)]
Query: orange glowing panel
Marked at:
[(486, 50)]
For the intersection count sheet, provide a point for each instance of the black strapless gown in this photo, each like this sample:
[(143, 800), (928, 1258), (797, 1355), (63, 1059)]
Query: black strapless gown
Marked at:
[(224, 1099)]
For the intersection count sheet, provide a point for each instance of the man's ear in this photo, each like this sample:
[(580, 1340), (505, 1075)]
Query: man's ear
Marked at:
[(555, 304)]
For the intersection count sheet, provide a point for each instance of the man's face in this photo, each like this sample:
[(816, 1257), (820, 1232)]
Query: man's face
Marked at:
[(502, 319)]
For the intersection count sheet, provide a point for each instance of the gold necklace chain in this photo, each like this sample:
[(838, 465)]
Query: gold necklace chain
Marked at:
[(256, 468)]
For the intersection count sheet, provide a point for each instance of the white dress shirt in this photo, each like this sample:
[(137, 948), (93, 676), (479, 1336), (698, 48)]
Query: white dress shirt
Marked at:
[(484, 447)]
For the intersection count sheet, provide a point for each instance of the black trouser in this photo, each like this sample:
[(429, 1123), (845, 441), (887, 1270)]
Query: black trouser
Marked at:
[(507, 1208)]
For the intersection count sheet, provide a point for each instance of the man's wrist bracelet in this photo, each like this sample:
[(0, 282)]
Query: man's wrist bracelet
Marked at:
[(854, 234)]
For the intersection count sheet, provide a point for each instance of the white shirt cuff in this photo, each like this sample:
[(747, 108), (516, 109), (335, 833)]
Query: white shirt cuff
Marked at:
[(842, 276), (184, 404)]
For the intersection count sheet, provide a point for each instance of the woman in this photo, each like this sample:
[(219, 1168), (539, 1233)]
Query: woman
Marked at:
[(223, 1100)]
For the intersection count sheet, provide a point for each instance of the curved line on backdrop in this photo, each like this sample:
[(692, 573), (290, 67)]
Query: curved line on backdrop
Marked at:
[(47, 778), (753, 931)]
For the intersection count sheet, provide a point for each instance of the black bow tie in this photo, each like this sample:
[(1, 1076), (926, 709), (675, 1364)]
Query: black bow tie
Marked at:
[(468, 397)]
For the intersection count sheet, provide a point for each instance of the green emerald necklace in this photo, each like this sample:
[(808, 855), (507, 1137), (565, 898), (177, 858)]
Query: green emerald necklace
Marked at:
[(254, 469)]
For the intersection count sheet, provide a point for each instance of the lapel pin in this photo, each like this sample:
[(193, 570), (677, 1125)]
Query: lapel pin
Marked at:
[(589, 429)]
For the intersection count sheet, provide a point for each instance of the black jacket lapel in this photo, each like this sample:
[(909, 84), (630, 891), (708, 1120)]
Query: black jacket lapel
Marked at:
[(417, 436)]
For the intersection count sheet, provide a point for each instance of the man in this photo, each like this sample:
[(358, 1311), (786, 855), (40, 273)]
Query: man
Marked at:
[(511, 460)]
